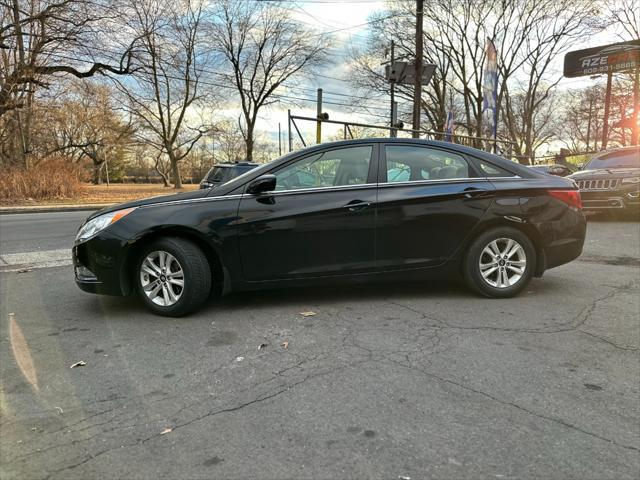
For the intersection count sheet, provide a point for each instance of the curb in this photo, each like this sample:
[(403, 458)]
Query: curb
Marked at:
[(53, 208)]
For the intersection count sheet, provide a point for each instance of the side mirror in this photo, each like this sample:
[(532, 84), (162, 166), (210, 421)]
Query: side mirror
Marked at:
[(265, 183)]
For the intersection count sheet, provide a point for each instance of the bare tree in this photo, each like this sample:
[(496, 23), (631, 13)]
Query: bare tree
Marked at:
[(81, 123), (528, 36), (165, 91), (552, 28), (41, 40), (263, 47), (624, 16)]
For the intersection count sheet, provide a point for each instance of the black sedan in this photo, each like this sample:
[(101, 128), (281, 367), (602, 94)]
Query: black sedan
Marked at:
[(344, 211)]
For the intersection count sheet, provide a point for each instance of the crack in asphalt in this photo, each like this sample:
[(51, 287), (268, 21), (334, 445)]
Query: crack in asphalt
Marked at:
[(213, 413), (576, 321), (515, 405)]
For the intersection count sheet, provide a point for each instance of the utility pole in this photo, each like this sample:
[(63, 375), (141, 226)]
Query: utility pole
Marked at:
[(289, 130), (607, 106), (319, 117), (279, 140), (635, 140), (394, 118), (417, 93), (589, 119), (392, 121)]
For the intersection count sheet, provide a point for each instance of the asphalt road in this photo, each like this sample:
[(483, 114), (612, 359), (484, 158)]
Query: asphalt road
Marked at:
[(387, 381), (28, 232)]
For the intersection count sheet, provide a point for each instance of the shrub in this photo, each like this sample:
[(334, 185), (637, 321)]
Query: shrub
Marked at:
[(51, 179)]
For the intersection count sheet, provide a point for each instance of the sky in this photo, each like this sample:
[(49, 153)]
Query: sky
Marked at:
[(350, 17)]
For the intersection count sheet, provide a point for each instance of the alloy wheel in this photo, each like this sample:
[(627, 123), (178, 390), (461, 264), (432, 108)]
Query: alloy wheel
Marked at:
[(502, 262), (162, 278)]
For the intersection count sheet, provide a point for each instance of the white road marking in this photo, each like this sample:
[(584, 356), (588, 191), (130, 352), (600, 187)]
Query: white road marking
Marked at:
[(33, 260)]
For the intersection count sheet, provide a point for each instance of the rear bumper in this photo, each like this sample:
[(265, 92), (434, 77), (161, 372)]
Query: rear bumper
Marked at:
[(563, 238), (562, 253)]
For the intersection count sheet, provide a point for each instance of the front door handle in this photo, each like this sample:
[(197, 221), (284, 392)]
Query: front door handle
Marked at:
[(356, 205), (471, 192)]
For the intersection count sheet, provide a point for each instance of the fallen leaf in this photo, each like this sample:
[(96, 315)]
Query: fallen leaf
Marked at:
[(307, 314), (285, 344), (24, 270), (404, 477), (263, 345), (239, 359), (166, 430), (78, 364), (61, 411)]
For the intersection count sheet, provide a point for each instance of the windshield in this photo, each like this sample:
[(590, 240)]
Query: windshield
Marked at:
[(222, 174), (617, 159)]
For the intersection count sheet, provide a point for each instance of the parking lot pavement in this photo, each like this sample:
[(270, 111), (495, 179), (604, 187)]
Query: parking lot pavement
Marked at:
[(385, 381)]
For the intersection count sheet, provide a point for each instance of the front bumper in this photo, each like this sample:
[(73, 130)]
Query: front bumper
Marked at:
[(594, 200), (98, 266)]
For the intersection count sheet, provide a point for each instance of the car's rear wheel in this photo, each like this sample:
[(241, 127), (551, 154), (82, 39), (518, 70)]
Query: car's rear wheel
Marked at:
[(500, 262), (173, 277)]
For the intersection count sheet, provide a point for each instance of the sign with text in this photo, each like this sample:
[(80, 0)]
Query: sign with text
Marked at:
[(617, 57)]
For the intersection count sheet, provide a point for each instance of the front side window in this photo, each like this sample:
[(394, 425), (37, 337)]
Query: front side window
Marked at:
[(332, 168), (408, 163)]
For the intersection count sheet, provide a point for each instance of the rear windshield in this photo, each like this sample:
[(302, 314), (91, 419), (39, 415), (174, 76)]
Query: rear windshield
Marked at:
[(619, 159)]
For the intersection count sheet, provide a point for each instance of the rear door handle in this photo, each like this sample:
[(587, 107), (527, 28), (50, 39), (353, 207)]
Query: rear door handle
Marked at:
[(356, 205)]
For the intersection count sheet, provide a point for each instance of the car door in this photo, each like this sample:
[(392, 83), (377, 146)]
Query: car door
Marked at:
[(429, 199), (319, 220)]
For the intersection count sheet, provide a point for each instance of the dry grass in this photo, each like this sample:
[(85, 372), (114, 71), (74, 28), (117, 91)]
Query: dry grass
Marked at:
[(52, 180), (123, 192), (100, 194)]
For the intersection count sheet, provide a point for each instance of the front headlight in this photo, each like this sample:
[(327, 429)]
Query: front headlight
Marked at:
[(631, 180), (99, 223)]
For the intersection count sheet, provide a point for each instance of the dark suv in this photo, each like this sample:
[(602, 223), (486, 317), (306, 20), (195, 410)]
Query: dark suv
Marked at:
[(223, 172), (610, 180)]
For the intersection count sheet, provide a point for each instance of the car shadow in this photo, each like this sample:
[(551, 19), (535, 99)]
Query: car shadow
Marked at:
[(341, 293), (131, 306)]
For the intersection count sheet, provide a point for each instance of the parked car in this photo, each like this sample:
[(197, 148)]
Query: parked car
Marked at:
[(553, 169), (610, 181), (333, 213), (223, 172)]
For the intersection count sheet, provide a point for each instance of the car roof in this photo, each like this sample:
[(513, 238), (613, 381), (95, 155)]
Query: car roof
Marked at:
[(239, 164), (514, 167), (609, 151)]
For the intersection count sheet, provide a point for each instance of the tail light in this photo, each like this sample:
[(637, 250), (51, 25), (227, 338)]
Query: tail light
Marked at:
[(570, 197)]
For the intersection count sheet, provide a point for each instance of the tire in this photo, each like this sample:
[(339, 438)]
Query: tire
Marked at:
[(183, 286), (493, 284)]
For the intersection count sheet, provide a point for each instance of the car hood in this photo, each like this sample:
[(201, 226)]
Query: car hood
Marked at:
[(152, 201), (605, 172)]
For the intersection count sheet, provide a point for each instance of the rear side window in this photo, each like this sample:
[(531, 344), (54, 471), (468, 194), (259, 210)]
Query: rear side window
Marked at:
[(409, 163), (490, 170), (616, 159)]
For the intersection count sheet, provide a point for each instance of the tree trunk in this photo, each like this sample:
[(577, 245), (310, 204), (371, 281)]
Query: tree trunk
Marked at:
[(249, 142), (97, 173), (165, 181), (175, 171)]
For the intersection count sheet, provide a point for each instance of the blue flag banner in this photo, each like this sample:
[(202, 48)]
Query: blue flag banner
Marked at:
[(448, 132), (490, 82)]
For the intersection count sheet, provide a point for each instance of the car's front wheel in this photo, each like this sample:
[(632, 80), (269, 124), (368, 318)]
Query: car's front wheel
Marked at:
[(173, 277), (500, 262)]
